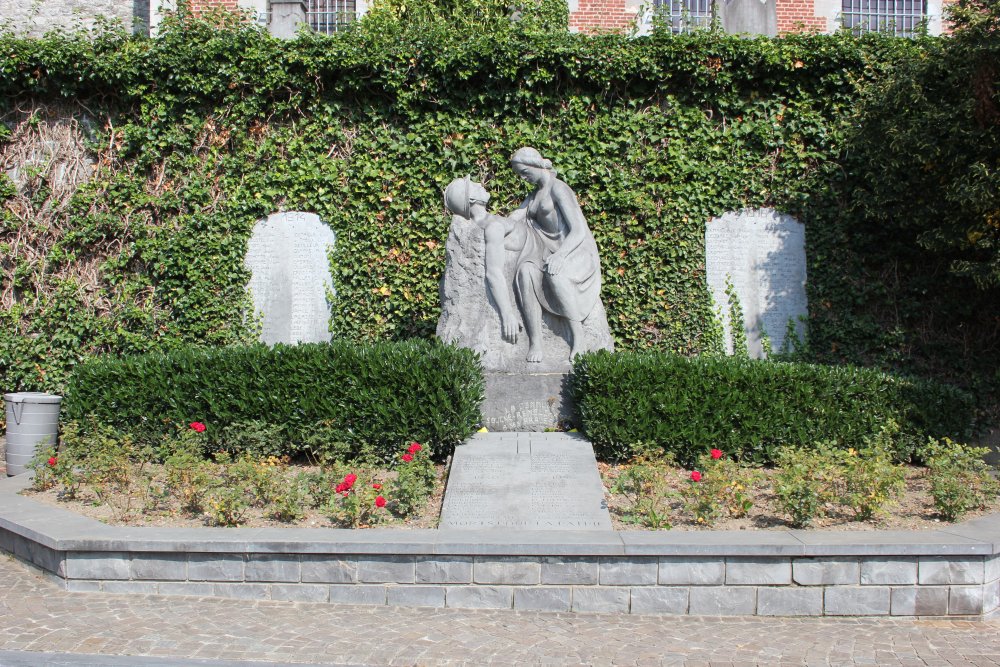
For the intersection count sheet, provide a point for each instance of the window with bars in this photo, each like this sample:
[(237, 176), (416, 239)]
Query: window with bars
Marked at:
[(900, 17), (329, 16), (684, 15)]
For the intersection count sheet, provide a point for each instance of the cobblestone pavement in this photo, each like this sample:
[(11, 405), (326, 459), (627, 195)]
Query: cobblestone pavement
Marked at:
[(39, 618)]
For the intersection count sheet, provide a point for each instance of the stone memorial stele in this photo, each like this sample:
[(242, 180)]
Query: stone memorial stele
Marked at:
[(763, 255), (288, 260), (522, 290)]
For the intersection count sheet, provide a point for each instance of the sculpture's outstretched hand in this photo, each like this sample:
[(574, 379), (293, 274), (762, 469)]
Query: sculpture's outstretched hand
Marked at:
[(554, 264)]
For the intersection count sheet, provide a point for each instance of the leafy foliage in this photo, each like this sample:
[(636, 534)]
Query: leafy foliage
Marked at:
[(749, 409), (960, 479), (383, 394), (200, 132)]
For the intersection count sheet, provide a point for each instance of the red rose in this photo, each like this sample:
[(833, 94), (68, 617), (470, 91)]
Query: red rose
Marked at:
[(695, 476), (716, 453), (197, 427), (376, 486), (407, 457), (52, 460), (380, 502), (340, 487), (350, 479), (415, 447)]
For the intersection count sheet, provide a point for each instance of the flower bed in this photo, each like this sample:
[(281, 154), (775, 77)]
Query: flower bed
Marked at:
[(817, 487), (111, 478)]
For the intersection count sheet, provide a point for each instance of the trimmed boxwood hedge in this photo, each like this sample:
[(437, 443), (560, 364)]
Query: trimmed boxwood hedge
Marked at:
[(749, 408), (382, 394)]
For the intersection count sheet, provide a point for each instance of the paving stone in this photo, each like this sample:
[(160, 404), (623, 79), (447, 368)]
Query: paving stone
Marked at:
[(881, 571), (919, 601), (603, 599), (506, 570), (416, 596), (479, 597), (789, 601), (358, 594), (681, 570), (951, 570), (272, 567), (659, 600), (215, 567), (758, 571), (300, 592), (542, 598), (826, 571), (723, 600), (570, 570), (856, 600), (100, 565), (444, 569), (634, 571), (328, 569), (965, 600), (387, 569), (162, 567)]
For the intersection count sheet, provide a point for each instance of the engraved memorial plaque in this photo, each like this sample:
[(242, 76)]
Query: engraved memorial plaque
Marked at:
[(762, 253), (290, 277), (528, 481)]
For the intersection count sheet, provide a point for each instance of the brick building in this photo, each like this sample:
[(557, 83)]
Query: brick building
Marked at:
[(739, 16)]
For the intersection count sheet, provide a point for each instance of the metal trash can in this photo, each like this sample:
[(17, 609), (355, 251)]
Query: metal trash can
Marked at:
[(32, 420)]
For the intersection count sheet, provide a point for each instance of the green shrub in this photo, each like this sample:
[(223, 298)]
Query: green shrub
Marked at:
[(721, 486), (806, 483), (750, 408), (382, 395), (643, 482), (415, 478), (869, 480), (960, 479)]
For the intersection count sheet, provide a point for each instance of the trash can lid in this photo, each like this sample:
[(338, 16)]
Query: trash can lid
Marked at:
[(32, 397)]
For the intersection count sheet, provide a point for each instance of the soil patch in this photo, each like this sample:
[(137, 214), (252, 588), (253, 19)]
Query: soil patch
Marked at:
[(914, 510)]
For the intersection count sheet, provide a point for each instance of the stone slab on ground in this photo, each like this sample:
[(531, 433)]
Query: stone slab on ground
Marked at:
[(528, 481)]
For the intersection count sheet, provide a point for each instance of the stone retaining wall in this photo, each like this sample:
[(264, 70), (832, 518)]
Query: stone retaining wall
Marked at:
[(951, 572)]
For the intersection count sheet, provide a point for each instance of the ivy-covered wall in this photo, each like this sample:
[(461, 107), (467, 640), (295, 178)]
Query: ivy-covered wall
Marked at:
[(195, 135)]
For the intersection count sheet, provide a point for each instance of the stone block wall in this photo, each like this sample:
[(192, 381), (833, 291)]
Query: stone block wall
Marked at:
[(674, 585)]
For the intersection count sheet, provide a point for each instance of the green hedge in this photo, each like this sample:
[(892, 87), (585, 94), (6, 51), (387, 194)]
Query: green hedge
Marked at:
[(750, 408), (383, 394)]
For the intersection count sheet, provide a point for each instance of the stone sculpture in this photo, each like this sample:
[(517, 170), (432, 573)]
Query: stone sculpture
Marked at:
[(536, 269)]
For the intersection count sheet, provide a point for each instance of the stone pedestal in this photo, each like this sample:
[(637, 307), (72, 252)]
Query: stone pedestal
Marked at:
[(526, 401)]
